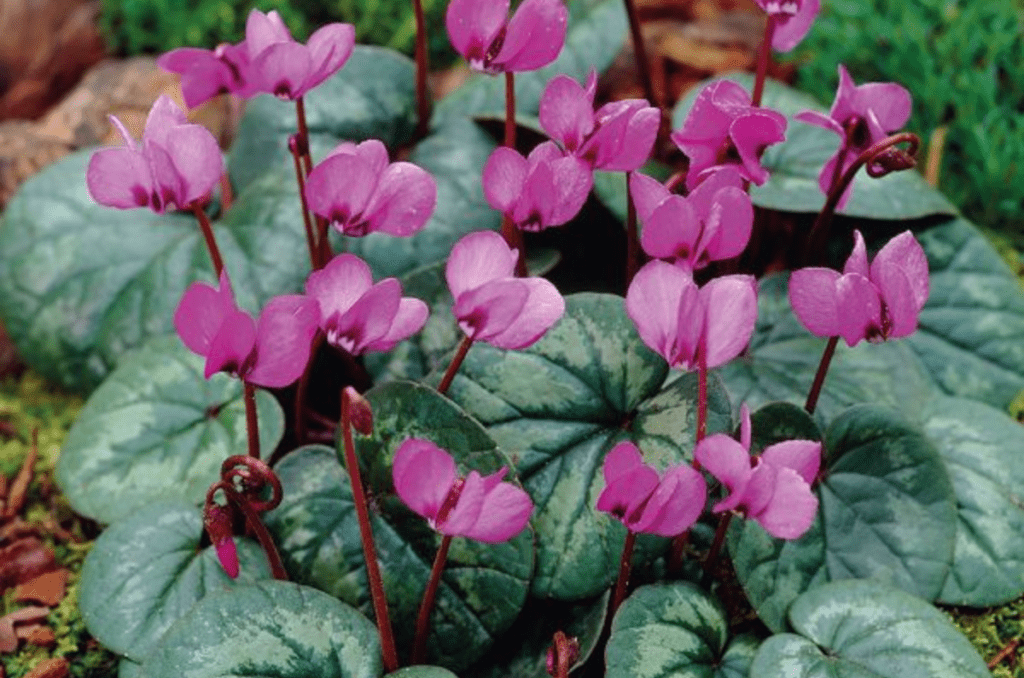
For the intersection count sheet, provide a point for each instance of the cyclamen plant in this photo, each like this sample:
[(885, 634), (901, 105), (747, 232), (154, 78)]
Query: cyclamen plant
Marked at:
[(529, 434)]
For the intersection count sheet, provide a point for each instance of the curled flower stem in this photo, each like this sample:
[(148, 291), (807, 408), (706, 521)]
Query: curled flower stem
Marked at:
[(879, 159), (716, 545), (449, 374), (819, 377), (419, 647), (251, 421), (625, 566), (422, 68), (306, 221), (380, 603), (643, 65), (211, 243), (763, 55), (633, 256)]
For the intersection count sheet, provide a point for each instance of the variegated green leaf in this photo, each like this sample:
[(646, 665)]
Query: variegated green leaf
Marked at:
[(558, 407), (422, 672), (272, 629), (866, 628), (147, 571), (157, 430)]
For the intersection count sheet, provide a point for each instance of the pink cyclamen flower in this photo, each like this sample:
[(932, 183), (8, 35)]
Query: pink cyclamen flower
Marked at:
[(176, 164), (360, 192), (875, 303), (618, 137), (271, 351), (478, 507), (545, 189), (268, 60), (862, 115), (359, 316), (635, 496), (491, 304), (711, 224), (723, 128), (689, 326), (774, 488), (793, 18), (482, 33)]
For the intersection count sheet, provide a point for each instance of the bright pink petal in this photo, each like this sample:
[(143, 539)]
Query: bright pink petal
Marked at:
[(760, 488), (901, 310), (373, 152), (467, 510), (164, 117), (671, 231), (791, 30), (203, 75), (230, 348), (338, 285), (340, 187), (410, 318), (329, 49), (536, 33), (227, 554), (803, 456), (858, 308), (751, 133), (201, 313), (474, 24), (729, 462), (676, 503), (487, 311), (889, 102), (503, 178), (566, 112), (626, 135), (369, 319), (405, 199), (652, 303), (628, 482), (621, 459), (572, 180), (542, 309), (505, 513), (476, 259), (820, 120), (282, 69), (745, 426), (812, 294), (706, 126), (731, 303), (906, 254), (423, 474), (119, 177), (857, 262), (792, 508), (284, 335), (197, 159), (730, 218), (647, 194), (263, 30)]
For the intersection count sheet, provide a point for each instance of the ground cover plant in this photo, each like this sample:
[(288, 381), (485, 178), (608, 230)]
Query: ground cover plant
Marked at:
[(332, 359)]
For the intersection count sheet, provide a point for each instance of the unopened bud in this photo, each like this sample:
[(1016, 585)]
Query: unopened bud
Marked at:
[(359, 411), (217, 520), (563, 653)]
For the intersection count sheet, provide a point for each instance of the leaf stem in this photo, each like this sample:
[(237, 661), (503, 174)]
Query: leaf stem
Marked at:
[(763, 56), (419, 648), (449, 374), (211, 242), (251, 421), (380, 603), (422, 68), (625, 566), (819, 377)]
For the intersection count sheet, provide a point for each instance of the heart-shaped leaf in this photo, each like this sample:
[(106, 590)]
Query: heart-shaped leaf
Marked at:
[(157, 430), (147, 571), (887, 511), (597, 30), (484, 586), (372, 97), (674, 630), (271, 629), (126, 668), (559, 406), (422, 672), (867, 628), (795, 163)]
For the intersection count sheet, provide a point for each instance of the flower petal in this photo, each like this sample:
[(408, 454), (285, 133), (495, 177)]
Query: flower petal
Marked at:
[(858, 308), (857, 262), (368, 320), (505, 513), (487, 311), (535, 36), (329, 47), (503, 178), (284, 335), (423, 474), (792, 508), (731, 303), (751, 133), (791, 30), (676, 503), (813, 296), (652, 303), (405, 199), (197, 159), (671, 231), (542, 309), (338, 285), (201, 313), (478, 258), (803, 456), (340, 187), (729, 462), (474, 24), (119, 177), (566, 112), (647, 194), (410, 318), (231, 346), (904, 252)]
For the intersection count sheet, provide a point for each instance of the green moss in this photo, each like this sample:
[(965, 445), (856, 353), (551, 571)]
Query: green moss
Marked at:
[(991, 630)]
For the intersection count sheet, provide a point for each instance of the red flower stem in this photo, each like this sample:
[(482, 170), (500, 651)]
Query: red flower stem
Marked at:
[(819, 377), (422, 68), (763, 55), (625, 565), (643, 66), (380, 603), (460, 355), (211, 243), (325, 252), (227, 196), (252, 519), (512, 235), (301, 408), (300, 117), (716, 545), (251, 422), (675, 556), (419, 647), (299, 178), (880, 160), (633, 255), (702, 402)]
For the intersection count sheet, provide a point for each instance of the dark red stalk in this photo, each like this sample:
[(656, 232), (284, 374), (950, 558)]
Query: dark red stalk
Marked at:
[(702, 400), (306, 221), (251, 422), (512, 235), (300, 116), (302, 389), (763, 55), (324, 243), (252, 519), (211, 243), (419, 647), (380, 603), (819, 377), (625, 566), (716, 545), (633, 255), (449, 374), (227, 196), (422, 68), (643, 66)]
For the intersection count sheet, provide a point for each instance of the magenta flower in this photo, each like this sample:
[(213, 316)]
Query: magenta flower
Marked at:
[(176, 164), (544, 189), (618, 137), (774, 488), (482, 33), (206, 73), (271, 352), (357, 315), (360, 192), (690, 326), (723, 128), (862, 115), (876, 303), (711, 224), (793, 18), (491, 304), (478, 507), (636, 497)]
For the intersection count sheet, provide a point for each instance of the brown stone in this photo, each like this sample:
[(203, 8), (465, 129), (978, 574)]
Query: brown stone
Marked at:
[(41, 636), (8, 637), (47, 589), (23, 560), (50, 668)]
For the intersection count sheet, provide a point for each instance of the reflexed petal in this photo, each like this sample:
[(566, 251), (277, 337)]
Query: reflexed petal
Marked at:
[(671, 231), (628, 492), (676, 503), (329, 49), (478, 258), (467, 509), (410, 318), (263, 30), (163, 117), (542, 309), (706, 127), (858, 307), (535, 36), (338, 285), (474, 24), (284, 335), (197, 159), (731, 303), (791, 30), (231, 346), (751, 133), (566, 112), (503, 178), (404, 200), (820, 120), (423, 474), (203, 75), (119, 177), (282, 69), (745, 426), (703, 196), (647, 194), (505, 513), (898, 297), (621, 459), (857, 262), (813, 296), (729, 462), (487, 311), (652, 303), (340, 186), (168, 183), (573, 180), (729, 222), (368, 320), (373, 152), (905, 253), (792, 508), (760, 489), (626, 147), (201, 313), (803, 456)]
